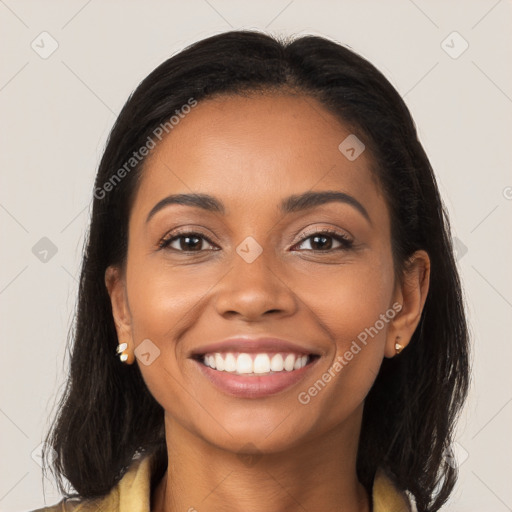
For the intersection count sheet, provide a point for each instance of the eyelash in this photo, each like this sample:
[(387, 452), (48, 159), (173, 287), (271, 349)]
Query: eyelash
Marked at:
[(346, 242)]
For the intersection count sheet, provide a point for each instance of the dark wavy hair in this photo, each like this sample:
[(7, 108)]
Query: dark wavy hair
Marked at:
[(106, 414)]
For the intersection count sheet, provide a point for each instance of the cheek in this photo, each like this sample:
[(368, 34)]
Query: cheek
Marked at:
[(162, 306), (352, 298), (164, 300), (365, 316), (356, 311)]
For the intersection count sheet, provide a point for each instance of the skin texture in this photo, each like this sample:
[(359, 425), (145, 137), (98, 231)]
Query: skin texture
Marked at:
[(250, 153)]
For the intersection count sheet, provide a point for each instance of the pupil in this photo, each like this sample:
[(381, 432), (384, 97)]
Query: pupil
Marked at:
[(191, 246), (321, 237)]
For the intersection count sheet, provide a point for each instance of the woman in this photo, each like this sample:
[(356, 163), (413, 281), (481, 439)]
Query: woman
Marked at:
[(271, 261)]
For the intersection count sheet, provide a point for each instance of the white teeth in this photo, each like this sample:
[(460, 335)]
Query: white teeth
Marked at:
[(254, 363), (277, 363), (244, 364), (288, 362), (230, 363), (261, 363), (219, 362), (300, 362)]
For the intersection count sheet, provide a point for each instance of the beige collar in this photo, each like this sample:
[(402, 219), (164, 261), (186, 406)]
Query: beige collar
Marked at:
[(133, 493)]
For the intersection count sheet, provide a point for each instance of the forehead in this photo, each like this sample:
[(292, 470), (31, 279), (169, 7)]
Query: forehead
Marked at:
[(252, 150)]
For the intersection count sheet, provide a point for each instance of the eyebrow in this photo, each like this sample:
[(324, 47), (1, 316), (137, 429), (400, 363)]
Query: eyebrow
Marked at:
[(291, 204)]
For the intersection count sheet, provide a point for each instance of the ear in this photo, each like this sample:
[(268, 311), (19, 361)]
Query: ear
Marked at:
[(116, 286), (411, 294)]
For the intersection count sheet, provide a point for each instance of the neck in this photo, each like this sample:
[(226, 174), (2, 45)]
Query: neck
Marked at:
[(319, 474)]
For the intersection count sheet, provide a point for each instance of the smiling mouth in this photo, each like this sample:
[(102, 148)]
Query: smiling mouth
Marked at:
[(255, 364)]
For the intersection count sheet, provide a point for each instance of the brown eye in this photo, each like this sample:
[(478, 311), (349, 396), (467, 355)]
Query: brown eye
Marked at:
[(187, 242), (322, 241)]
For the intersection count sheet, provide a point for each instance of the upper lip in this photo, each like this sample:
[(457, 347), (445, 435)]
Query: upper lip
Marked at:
[(254, 345)]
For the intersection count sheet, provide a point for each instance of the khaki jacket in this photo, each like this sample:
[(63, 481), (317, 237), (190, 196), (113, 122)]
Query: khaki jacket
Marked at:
[(132, 494)]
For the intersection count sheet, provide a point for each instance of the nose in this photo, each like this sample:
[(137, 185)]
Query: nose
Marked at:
[(251, 290)]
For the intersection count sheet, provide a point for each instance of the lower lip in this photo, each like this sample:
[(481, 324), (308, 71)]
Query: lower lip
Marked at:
[(254, 387)]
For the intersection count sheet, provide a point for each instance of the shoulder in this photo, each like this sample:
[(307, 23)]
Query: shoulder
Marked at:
[(72, 505), (387, 496), (133, 489), (64, 505)]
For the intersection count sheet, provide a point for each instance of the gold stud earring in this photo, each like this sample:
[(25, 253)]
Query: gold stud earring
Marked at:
[(398, 347), (124, 355)]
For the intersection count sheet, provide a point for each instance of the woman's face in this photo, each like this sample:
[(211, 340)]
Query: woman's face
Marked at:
[(250, 271)]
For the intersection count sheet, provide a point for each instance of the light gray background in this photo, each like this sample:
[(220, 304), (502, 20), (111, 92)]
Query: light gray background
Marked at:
[(56, 115)]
